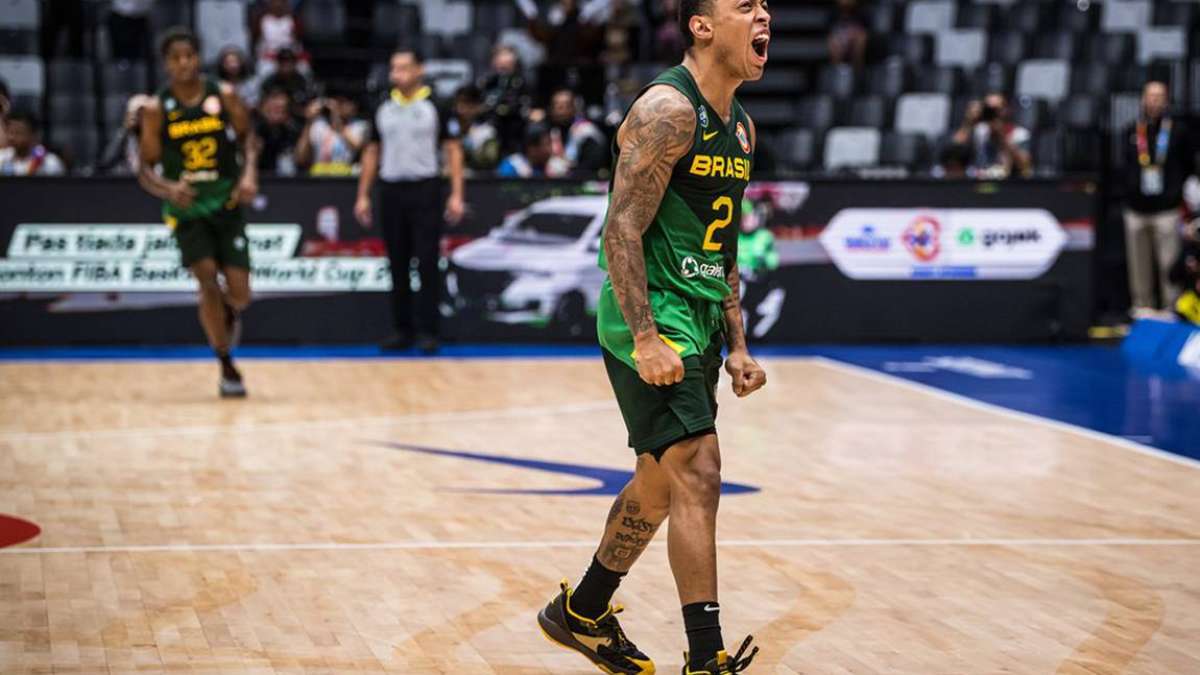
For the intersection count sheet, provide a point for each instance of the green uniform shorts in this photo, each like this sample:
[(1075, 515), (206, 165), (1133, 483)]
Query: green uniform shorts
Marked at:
[(221, 236), (659, 417)]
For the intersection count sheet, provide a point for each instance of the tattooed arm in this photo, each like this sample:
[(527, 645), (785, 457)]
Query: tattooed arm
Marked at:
[(659, 130), (747, 375)]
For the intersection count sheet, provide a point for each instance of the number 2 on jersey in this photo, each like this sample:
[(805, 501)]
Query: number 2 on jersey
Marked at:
[(722, 203)]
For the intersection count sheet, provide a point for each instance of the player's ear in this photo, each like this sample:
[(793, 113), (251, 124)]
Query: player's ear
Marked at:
[(701, 27)]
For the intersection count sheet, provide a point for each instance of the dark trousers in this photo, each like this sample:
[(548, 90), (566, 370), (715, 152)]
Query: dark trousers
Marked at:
[(411, 220)]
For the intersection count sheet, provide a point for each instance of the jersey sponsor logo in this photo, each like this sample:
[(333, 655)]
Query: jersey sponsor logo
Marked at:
[(204, 125), (709, 135), (206, 176), (691, 268), (212, 105), (703, 114), (743, 137), (721, 167)]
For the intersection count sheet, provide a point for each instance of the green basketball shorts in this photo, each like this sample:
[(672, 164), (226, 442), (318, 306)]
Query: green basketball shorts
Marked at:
[(221, 236), (659, 417)]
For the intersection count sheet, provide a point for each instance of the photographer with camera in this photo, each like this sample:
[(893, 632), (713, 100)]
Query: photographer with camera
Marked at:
[(332, 136), (999, 147)]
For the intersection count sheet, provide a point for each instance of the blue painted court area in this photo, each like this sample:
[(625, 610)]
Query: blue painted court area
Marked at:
[(1102, 388)]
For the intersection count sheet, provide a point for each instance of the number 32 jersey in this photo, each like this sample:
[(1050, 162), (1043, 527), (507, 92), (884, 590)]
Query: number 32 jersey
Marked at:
[(199, 148), (692, 240)]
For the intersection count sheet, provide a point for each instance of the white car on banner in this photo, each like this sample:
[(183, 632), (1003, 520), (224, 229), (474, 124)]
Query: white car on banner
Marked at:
[(922, 244), (537, 267)]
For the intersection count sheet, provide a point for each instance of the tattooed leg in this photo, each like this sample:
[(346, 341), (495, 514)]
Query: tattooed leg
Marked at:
[(635, 516), (693, 469)]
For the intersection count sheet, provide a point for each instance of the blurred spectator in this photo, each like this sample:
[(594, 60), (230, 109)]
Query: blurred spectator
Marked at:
[(273, 29), (278, 134), (121, 157), (953, 161), (506, 96), (999, 148), (1159, 157), (536, 160), (332, 137), (480, 140), (576, 140), (570, 35), (60, 16), (1186, 274), (25, 154), (233, 69), (848, 35), (288, 79), (668, 41), (5, 104), (129, 29)]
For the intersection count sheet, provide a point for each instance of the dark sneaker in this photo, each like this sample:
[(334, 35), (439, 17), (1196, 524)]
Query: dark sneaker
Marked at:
[(233, 326), (231, 385), (722, 663), (601, 640)]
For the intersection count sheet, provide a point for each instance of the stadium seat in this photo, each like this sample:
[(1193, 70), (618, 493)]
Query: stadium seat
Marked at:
[(1113, 50), (75, 109), (934, 79), (80, 144), (1091, 78), (927, 114), (1047, 152), (223, 23), (1182, 14), (1054, 45), (815, 112), (773, 112), (986, 79), (171, 13), (1125, 16), (929, 16), (1007, 48), (1079, 111), (868, 111), (324, 20), (395, 22), (799, 17), (24, 74), (20, 14), (963, 48), (114, 110), (803, 50), (26, 102), (1123, 110), (124, 77), (973, 15), (447, 75), (908, 150), (910, 48), (887, 79), (881, 18), (1129, 77), (69, 76), (1043, 78), (1031, 114), (1026, 17), (836, 80), (797, 149), (1072, 18), (1161, 43), (1081, 150), (851, 147)]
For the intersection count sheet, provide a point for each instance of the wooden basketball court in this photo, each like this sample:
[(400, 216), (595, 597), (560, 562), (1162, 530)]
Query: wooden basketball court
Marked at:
[(311, 529)]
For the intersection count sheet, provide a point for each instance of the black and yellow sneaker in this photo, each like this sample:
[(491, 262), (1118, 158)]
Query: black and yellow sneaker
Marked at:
[(601, 640), (721, 663)]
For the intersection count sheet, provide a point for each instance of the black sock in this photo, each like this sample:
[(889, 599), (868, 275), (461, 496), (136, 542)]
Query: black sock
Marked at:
[(226, 360), (596, 590), (702, 621)]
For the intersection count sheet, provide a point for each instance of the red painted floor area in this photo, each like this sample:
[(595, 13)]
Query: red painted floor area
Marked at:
[(14, 530)]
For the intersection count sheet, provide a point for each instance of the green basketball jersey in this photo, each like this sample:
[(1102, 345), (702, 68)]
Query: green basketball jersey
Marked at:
[(692, 240), (199, 147)]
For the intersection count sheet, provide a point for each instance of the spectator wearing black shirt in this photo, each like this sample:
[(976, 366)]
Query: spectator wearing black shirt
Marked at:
[(506, 96), (848, 35), (480, 140), (291, 81), (278, 133), (407, 137), (1159, 156)]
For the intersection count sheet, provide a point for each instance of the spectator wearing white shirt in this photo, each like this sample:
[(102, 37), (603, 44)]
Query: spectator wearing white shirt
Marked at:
[(1000, 148), (333, 136), (25, 155)]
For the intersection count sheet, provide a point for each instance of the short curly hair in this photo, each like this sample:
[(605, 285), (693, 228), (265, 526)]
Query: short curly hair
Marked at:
[(688, 9)]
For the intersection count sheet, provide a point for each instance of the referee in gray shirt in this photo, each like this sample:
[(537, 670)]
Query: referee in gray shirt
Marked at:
[(408, 134)]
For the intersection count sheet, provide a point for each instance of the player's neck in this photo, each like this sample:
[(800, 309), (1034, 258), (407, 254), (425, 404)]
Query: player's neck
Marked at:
[(715, 85), (188, 92)]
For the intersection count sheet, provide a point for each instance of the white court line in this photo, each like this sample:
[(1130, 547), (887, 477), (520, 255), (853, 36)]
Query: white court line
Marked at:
[(286, 426), (983, 406), (511, 545)]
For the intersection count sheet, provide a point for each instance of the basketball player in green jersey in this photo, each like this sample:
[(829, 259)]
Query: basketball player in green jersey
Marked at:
[(683, 159), (195, 128)]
